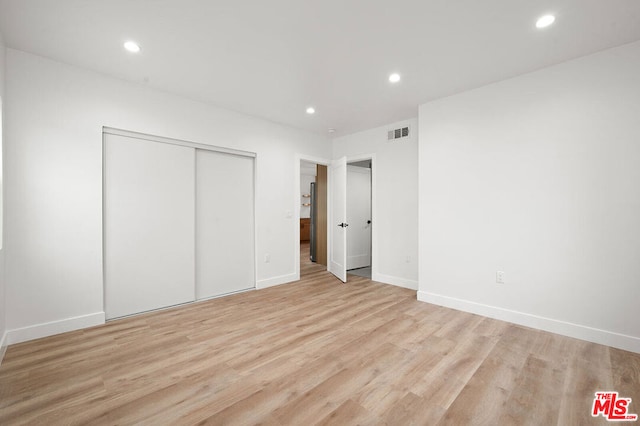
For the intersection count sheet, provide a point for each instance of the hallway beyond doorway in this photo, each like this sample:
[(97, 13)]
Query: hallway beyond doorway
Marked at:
[(307, 267)]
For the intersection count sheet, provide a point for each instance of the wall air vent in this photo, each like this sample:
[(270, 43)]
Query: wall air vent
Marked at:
[(403, 132)]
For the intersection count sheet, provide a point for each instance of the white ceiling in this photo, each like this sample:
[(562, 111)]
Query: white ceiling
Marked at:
[(274, 58)]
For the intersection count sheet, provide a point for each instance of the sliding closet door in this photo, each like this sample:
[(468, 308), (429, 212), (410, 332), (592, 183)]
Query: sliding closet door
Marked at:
[(149, 217), (224, 223)]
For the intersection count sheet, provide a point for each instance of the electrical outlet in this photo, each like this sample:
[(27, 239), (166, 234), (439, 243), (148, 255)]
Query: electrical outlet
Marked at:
[(267, 258), (500, 277)]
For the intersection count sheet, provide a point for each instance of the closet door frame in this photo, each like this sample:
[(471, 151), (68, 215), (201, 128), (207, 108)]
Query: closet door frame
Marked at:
[(160, 139)]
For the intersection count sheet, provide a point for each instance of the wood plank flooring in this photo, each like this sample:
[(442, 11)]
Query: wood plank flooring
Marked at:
[(312, 352)]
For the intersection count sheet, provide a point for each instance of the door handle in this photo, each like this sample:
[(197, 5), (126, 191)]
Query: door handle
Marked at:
[(368, 222), (343, 225)]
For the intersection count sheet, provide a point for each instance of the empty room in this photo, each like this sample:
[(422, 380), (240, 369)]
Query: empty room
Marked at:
[(338, 212)]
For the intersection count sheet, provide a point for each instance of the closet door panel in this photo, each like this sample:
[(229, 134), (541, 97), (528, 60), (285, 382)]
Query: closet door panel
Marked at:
[(224, 223), (149, 220)]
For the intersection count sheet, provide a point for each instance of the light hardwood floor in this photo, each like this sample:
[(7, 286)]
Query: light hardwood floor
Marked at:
[(312, 352)]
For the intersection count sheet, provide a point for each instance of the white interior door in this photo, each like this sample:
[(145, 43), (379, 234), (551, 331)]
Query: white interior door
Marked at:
[(358, 217), (224, 223), (149, 211), (338, 218)]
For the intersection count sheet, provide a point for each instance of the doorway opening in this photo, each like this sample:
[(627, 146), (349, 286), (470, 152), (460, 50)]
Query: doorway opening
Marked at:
[(335, 226), (359, 218), (313, 217)]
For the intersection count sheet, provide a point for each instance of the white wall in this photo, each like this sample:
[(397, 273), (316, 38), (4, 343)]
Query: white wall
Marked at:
[(538, 176), (396, 201), (54, 183), (3, 327)]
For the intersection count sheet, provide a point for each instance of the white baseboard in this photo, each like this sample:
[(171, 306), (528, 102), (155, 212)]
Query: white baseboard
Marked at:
[(282, 279), (397, 281), (37, 331), (590, 334)]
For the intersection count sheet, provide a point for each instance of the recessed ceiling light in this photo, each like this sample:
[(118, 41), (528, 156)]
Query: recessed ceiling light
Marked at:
[(311, 110), (394, 78), (545, 21), (132, 46)]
